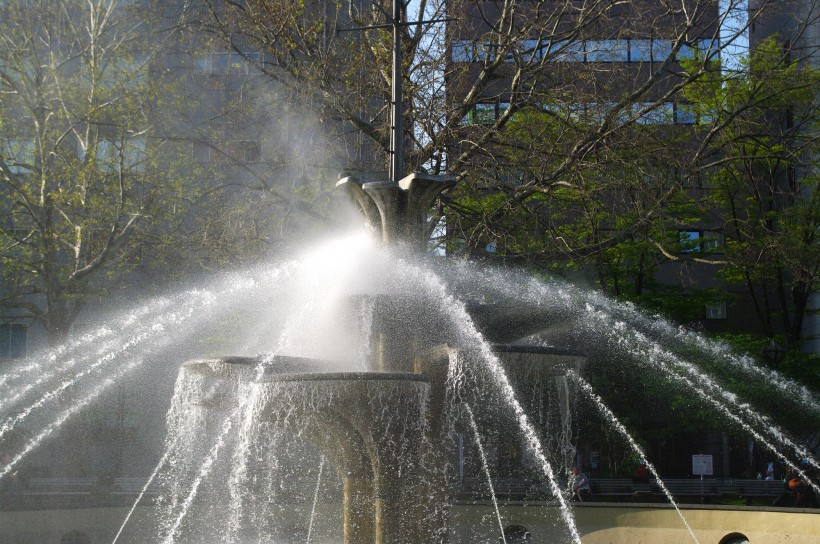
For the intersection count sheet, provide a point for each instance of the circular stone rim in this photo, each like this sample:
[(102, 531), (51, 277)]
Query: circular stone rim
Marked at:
[(537, 350), (345, 376)]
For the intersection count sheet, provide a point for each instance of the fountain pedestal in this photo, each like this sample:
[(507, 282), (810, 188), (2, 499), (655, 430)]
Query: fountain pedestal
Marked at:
[(371, 427), (398, 210)]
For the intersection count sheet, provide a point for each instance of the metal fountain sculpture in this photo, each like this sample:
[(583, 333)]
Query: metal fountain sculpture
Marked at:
[(392, 468)]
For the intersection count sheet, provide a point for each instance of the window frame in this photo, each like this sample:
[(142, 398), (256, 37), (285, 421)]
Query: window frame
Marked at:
[(20, 154), (716, 312), (640, 46), (706, 241), (600, 51), (8, 343)]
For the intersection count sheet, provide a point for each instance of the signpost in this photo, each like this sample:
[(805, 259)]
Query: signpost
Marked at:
[(702, 465)]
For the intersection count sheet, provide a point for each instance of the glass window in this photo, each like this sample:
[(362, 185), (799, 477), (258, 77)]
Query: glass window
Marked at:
[(485, 114), (709, 48), (253, 151), (564, 51), (132, 151), (661, 50), (467, 51), (705, 118), (624, 114), (201, 152), (716, 311), (640, 50), (131, 71), (568, 112), (597, 111), (134, 3), (700, 49), (697, 241), (221, 63), (177, 60), (253, 58), (107, 154), (689, 241), (106, 150), (462, 51), (237, 64), (235, 151), (19, 154), (607, 50), (663, 114), (13, 340), (203, 65), (234, 63), (134, 154), (488, 51), (711, 241), (685, 114), (531, 50), (686, 52)]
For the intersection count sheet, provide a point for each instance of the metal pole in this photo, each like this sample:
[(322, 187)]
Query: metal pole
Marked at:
[(396, 113)]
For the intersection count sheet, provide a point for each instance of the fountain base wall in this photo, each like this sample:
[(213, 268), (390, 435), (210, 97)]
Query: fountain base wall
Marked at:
[(618, 524), (597, 523)]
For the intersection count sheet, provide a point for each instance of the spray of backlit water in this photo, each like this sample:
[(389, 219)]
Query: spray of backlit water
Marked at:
[(220, 450)]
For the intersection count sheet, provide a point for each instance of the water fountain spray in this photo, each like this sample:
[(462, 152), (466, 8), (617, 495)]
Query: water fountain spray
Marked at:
[(382, 429)]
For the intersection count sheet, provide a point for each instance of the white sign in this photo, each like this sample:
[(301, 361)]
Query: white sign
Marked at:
[(702, 465)]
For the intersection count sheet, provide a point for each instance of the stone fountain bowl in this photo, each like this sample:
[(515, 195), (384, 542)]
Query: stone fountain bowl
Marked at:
[(372, 427)]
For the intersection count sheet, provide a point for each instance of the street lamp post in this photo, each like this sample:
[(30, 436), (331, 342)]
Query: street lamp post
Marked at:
[(396, 110), (774, 353)]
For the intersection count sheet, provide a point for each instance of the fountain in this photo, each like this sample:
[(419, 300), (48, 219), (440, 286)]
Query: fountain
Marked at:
[(383, 427), (379, 375), (392, 468), (356, 424)]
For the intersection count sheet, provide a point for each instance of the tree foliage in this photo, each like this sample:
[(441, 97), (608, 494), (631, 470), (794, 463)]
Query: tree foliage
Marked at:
[(84, 172), (570, 155), (761, 171)]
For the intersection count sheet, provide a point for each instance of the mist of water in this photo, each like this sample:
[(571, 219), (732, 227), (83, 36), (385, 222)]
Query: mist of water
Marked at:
[(170, 532), (613, 420), (295, 309), (133, 339), (63, 416), (141, 494), (575, 303), (485, 466), (315, 501), (596, 323)]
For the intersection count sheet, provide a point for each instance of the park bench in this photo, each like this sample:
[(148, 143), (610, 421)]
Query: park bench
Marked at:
[(757, 489), (125, 486), (693, 488), (506, 488), (83, 486), (609, 487), (628, 489), (60, 486)]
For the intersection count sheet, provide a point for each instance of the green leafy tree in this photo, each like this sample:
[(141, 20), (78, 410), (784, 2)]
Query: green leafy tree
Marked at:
[(507, 51), (760, 164), (587, 167), (85, 176)]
